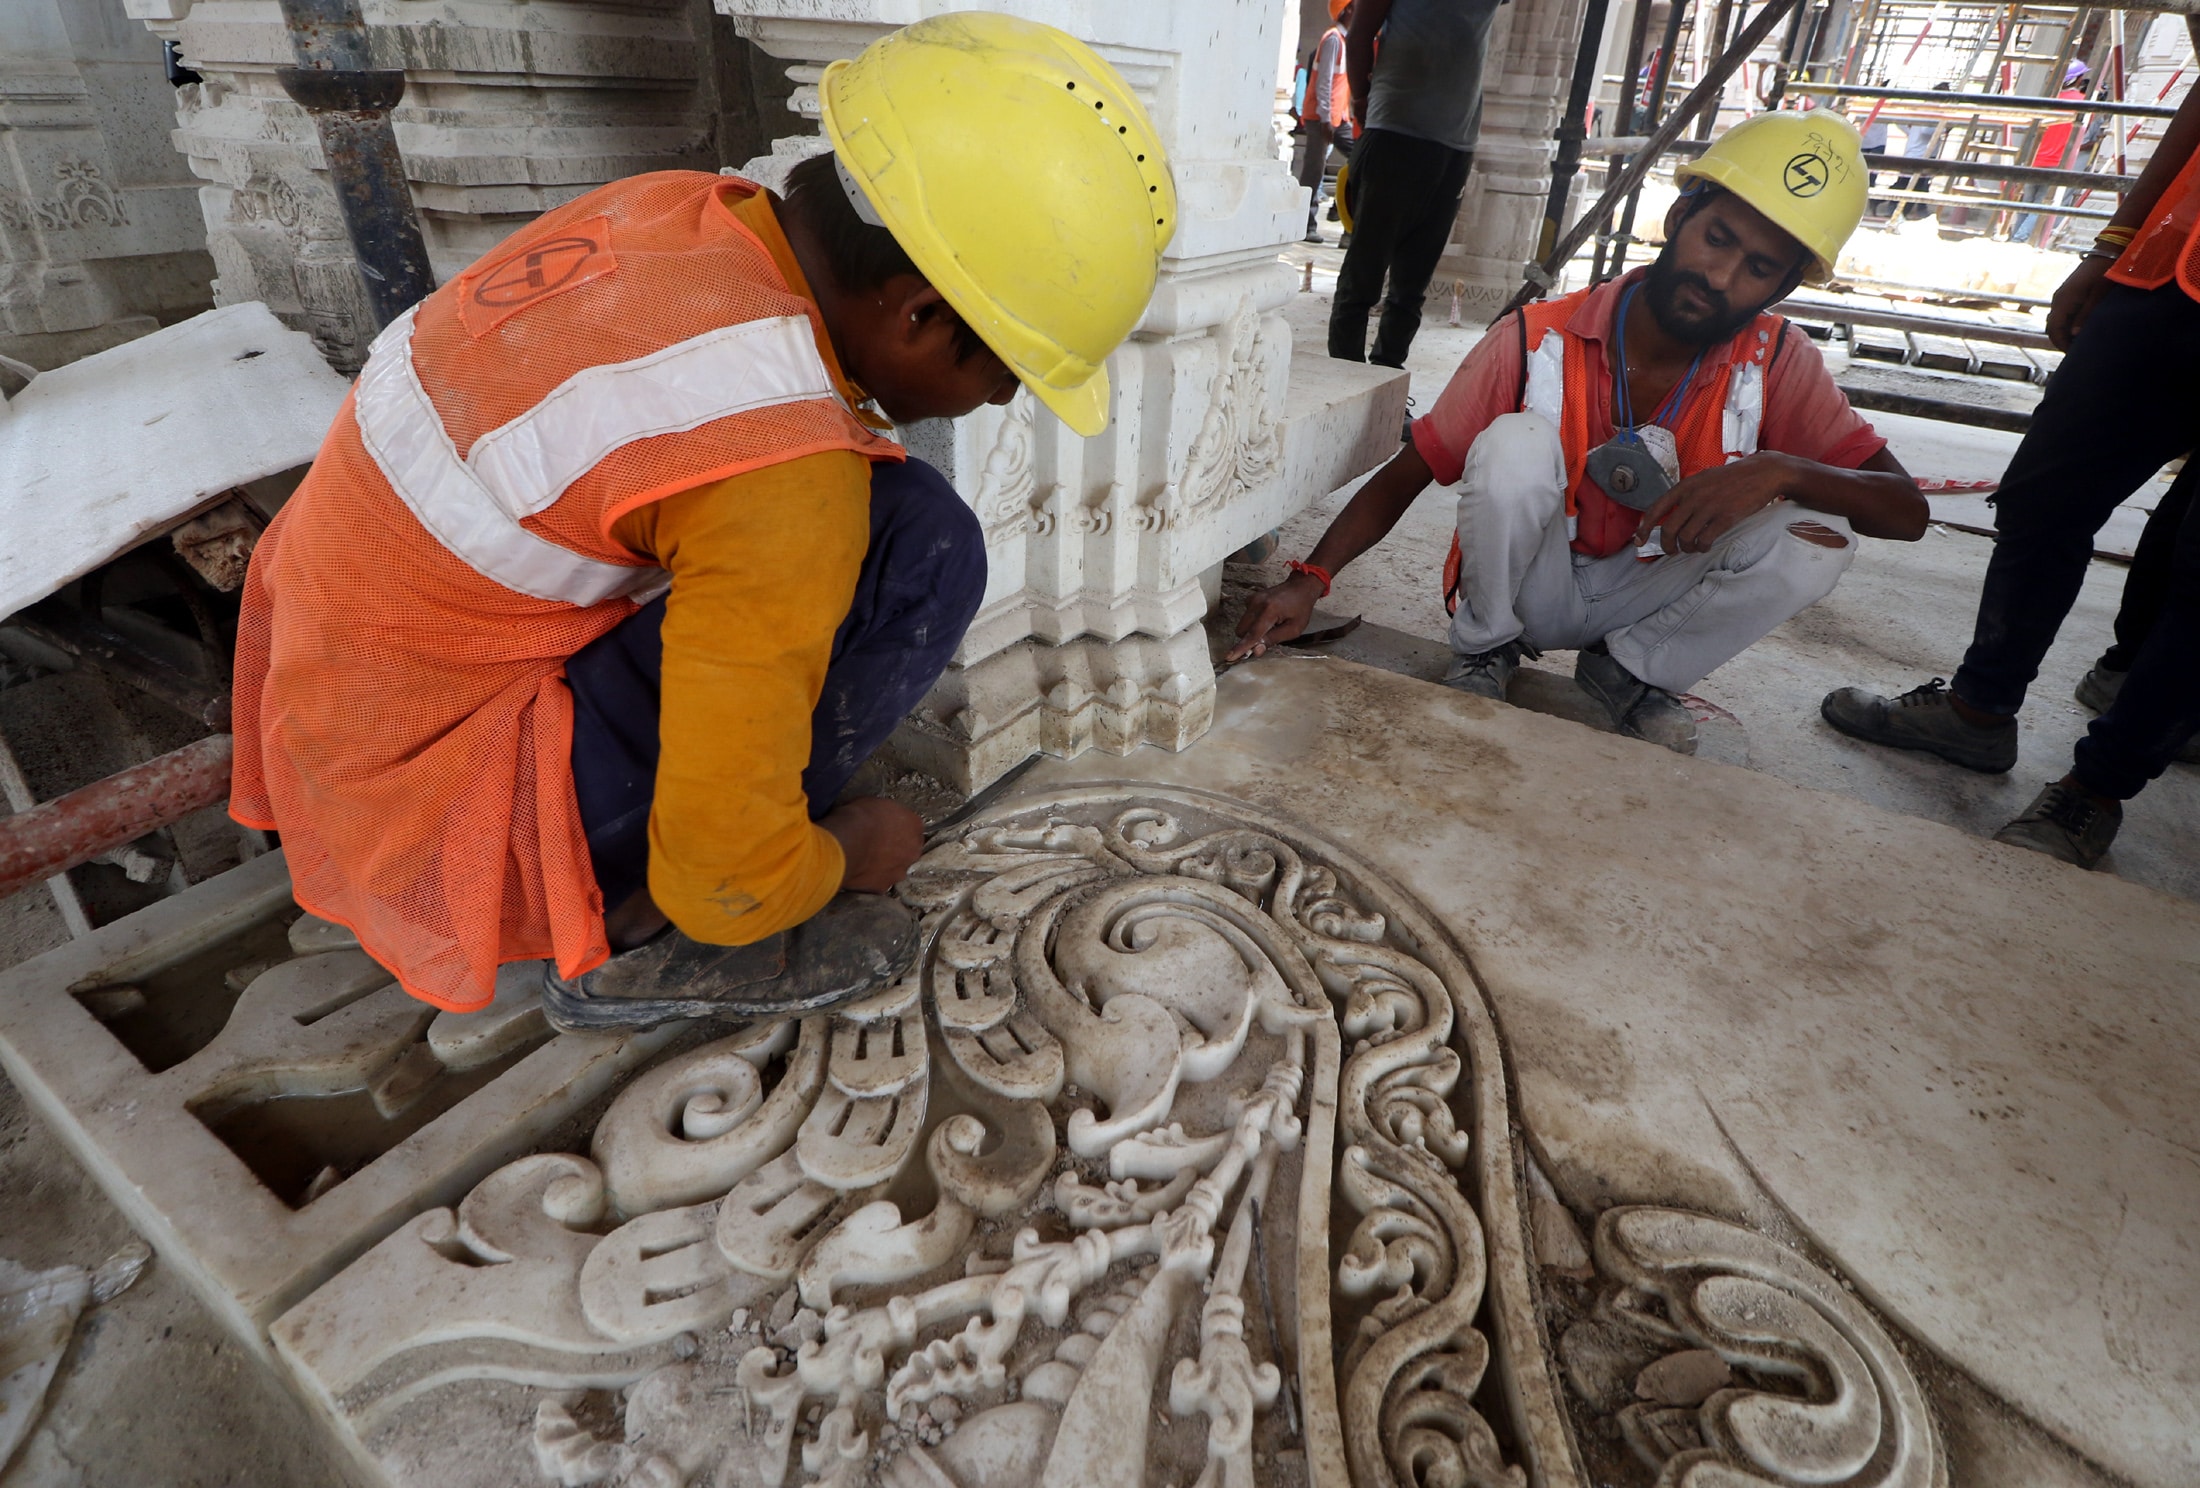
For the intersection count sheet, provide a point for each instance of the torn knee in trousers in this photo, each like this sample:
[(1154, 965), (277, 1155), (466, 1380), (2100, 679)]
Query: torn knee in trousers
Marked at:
[(1817, 534)]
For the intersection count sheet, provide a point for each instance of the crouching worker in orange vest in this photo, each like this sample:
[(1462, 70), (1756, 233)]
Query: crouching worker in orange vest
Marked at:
[(609, 576), (1656, 471)]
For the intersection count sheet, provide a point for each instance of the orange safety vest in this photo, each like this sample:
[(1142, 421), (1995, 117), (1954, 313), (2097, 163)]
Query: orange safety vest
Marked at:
[(401, 711), (1719, 420), (2168, 246)]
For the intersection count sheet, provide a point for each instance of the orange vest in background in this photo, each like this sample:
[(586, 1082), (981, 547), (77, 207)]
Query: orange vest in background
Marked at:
[(401, 712), (2168, 245), (1719, 421)]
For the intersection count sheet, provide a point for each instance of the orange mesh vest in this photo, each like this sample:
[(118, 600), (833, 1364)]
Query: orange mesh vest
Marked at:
[(1718, 421), (2168, 246), (401, 712)]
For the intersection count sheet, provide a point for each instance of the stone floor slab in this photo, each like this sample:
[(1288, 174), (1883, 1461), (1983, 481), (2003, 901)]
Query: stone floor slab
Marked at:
[(1962, 1070)]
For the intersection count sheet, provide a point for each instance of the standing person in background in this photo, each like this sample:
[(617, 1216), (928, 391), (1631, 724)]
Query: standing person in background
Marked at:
[(2124, 402), (2054, 145), (1418, 110), (1327, 113)]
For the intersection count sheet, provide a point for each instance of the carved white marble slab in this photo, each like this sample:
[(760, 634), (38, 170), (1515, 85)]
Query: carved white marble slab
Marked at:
[(324, 1032)]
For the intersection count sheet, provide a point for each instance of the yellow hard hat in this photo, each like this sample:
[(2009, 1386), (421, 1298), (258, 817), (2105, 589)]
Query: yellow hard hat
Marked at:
[(1023, 179), (1804, 172)]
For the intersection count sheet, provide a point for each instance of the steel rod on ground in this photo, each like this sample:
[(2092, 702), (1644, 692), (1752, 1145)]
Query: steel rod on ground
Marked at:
[(1541, 276), (76, 828)]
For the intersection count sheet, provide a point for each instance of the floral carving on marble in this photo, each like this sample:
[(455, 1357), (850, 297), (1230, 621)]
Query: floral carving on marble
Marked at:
[(1724, 1358), (971, 1231), (79, 198), (1240, 441)]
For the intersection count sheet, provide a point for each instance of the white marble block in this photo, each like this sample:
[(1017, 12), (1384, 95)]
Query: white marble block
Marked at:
[(100, 239), (1089, 634)]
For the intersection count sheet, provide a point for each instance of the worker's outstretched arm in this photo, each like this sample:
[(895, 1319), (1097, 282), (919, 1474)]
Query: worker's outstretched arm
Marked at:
[(2075, 299), (1879, 498), (1359, 53), (1278, 613)]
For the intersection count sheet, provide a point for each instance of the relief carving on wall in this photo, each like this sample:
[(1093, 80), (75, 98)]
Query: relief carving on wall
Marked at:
[(80, 197), (1239, 445), (1181, 1155)]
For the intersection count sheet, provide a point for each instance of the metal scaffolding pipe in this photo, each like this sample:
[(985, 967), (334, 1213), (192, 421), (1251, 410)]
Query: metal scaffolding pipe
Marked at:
[(1992, 103), (350, 101), (56, 836), (1571, 126)]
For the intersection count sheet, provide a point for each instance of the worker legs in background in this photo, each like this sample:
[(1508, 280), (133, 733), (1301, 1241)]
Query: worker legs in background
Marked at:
[(1647, 630), (922, 578), (2124, 402), (1405, 195)]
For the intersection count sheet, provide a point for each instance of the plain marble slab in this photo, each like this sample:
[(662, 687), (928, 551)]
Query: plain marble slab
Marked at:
[(97, 455)]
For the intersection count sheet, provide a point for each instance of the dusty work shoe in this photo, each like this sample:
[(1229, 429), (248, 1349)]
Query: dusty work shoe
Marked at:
[(854, 945), (2065, 823), (2098, 688), (1634, 707), (1487, 673), (1924, 718)]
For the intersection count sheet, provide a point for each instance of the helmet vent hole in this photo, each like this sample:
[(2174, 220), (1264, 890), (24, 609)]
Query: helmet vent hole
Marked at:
[(1100, 103), (1073, 87)]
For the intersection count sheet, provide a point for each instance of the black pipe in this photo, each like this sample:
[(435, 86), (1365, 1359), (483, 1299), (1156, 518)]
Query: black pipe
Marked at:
[(1719, 27), (1638, 28), (1571, 126), (350, 101), (1675, 13)]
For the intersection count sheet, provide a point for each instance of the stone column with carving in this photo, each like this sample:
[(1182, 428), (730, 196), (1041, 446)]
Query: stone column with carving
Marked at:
[(1531, 61), (509, 110), (1105, 553), (100, 239)]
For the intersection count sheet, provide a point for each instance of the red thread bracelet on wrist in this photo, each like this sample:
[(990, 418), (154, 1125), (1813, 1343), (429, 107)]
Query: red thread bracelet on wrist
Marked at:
[(1313, 571)]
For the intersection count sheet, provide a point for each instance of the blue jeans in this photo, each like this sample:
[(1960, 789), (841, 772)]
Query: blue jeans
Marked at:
[(2124, 402), (922, 578)]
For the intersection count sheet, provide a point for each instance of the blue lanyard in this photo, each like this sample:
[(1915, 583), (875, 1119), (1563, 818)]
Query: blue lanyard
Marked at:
[(1673, 400)]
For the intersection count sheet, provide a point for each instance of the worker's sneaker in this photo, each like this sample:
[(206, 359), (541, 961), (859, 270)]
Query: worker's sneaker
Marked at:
[(1634, 707), (2066, 823), (1487, 673), (1923, 718), (2098, 688), (854, 945)]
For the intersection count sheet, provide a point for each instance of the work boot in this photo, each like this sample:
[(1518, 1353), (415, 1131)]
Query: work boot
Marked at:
[(1634, 707), (2098, 688), (2065, 823), (856, 944), (1487, 673), (1923, 718)]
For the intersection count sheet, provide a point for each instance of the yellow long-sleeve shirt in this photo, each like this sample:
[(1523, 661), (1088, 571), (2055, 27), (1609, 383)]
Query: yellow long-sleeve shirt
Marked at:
[(763, 568)]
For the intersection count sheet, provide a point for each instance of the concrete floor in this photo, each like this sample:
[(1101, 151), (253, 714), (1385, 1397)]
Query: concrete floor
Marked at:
[(152, 1392)]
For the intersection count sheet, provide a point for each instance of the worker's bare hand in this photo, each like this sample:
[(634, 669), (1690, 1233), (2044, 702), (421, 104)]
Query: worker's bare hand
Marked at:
[(2075, 299), (1707, 505), (879, 838), (1276, 614)]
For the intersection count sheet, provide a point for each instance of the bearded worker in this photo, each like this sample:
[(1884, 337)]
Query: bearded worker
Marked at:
[(609, 575), (1654, 471)]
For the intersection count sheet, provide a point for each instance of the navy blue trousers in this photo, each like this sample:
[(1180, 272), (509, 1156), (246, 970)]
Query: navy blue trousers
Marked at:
[(2124, 402), (923, 576)]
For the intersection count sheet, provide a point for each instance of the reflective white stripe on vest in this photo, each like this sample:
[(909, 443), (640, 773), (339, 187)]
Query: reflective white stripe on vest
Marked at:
[(1744, 413), (474, 506)]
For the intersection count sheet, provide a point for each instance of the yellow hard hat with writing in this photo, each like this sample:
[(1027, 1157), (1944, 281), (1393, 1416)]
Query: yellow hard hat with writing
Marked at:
[(1803, 171), (1021, 176)]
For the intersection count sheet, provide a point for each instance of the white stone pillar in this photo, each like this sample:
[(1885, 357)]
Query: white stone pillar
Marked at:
[(509, 110), (1524, 83), (1104, 551), (100, 239)]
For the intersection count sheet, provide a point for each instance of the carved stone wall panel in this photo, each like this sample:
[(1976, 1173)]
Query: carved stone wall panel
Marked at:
[(508, 111), (100, 238)]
